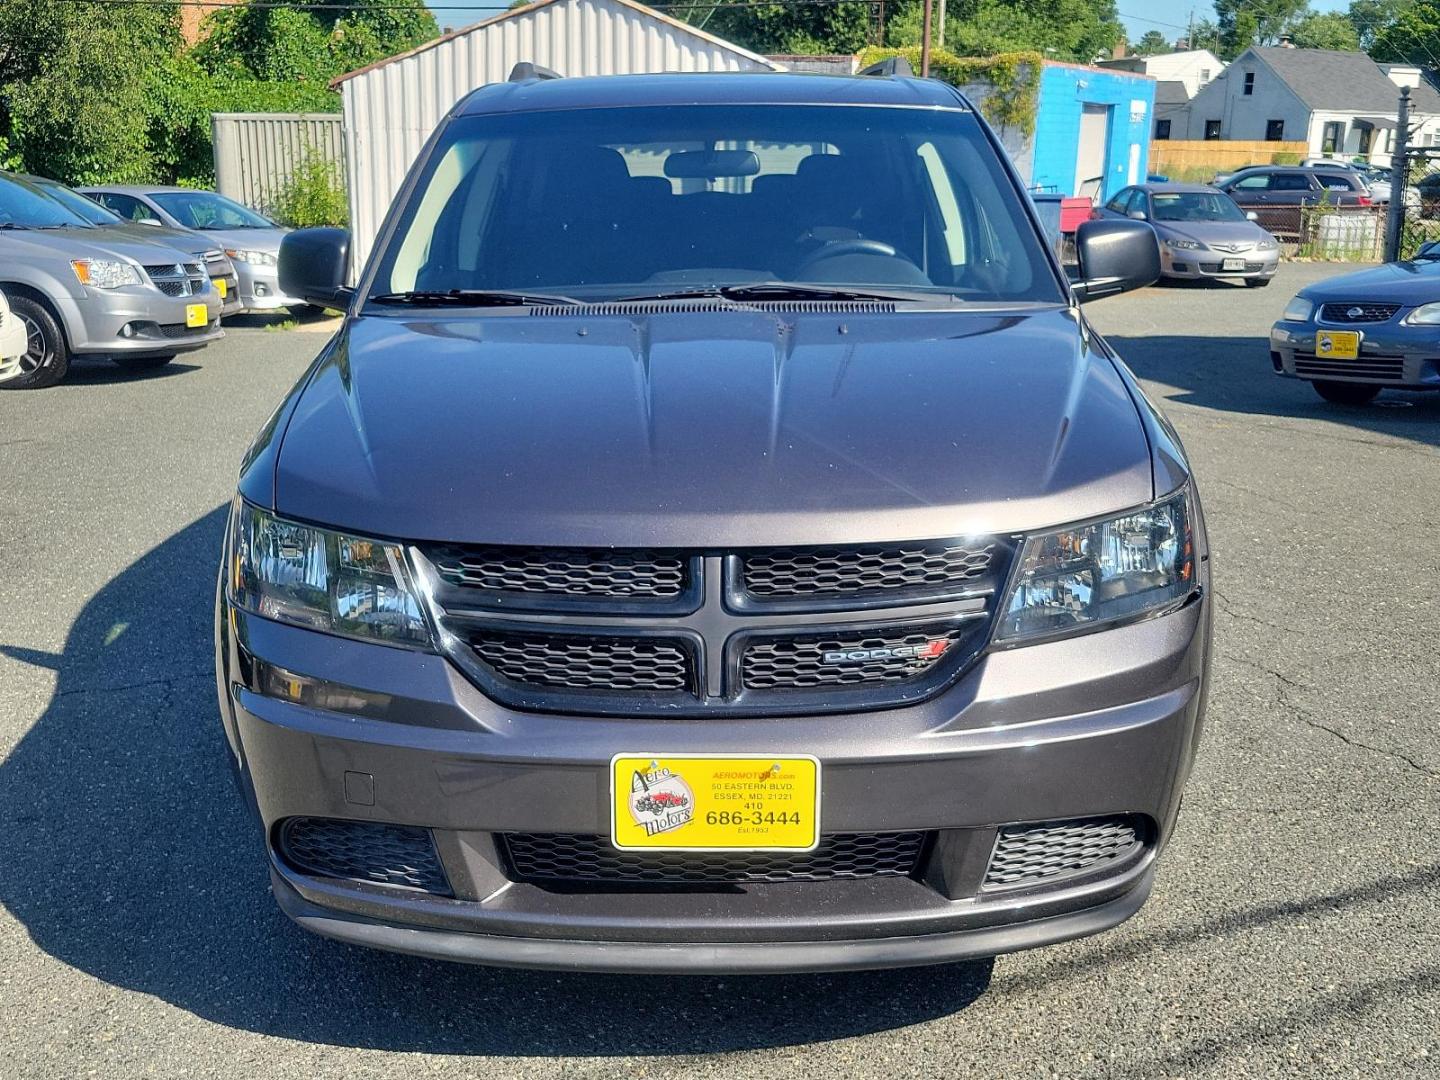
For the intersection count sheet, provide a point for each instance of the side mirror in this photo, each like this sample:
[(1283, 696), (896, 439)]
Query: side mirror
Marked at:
[(1250, 215), (155, 221), (1428, 250), (314, 264), (1115, 256), (1137, 215)]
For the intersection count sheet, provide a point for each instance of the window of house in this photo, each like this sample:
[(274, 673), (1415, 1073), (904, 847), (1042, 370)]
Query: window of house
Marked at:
[(1204, 76), (1162, 129), (1366, 136), (1249, 83), (1212, 129), (1274, 130), (1332, 138)]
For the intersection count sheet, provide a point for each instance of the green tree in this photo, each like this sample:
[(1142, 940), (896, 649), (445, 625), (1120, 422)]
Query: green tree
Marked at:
[(1151, 43), (1371, 18), (1255, 22), (1325, 30), (1413, 38), (1078, 30), (786, 28)]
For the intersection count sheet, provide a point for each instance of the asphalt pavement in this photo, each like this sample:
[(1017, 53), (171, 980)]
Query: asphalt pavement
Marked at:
[(1295, 925)]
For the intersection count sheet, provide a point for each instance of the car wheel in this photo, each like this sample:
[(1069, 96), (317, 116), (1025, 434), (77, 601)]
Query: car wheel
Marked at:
[(1257, 282), (1346, 393), (46, 359), (143, 363)]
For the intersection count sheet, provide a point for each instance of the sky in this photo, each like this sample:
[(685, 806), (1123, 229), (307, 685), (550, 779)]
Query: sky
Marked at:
[(1168, 16)]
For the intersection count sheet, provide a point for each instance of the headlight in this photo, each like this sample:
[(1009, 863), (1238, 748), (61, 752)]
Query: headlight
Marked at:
[(105, 273), (1267, 245), (1184, 245), (1139, 562), (1298, 310), (1424, 315), (322, 580), (254, 258)]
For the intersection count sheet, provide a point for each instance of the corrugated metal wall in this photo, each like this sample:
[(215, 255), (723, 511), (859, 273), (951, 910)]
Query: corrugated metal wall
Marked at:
[(256, 152), (391, 110)]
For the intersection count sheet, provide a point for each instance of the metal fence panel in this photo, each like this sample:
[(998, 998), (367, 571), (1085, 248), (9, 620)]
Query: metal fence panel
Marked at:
[(256, 153)]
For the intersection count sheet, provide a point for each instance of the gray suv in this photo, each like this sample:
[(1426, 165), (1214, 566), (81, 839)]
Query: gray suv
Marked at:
[(84, 291), (715, 541)]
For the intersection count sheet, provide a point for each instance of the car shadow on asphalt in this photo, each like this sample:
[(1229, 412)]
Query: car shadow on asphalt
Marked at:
[(103, 373), (128, 854), (1234, 375)]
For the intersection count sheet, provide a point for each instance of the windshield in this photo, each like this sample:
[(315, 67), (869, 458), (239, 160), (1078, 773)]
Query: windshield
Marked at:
[(24, 205), (78, 204), (1194, 206), (207, 210), (609, 203)]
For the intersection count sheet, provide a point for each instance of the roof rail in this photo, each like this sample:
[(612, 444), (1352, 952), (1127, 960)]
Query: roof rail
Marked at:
[(895, 65), (525, 71)]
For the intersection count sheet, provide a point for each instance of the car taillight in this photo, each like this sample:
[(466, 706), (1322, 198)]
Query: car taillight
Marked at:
[(1362, 200)]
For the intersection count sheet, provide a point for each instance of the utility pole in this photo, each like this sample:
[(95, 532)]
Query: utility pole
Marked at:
[(925, 43), (1190, 34), (940, 28), (1399, 174)]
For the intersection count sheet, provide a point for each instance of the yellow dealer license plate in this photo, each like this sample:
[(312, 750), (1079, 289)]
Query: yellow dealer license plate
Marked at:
[(1337, 344), (667, 803), (220, 286), (196, 315)]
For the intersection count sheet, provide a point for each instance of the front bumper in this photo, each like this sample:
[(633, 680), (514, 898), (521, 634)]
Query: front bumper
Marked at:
[(1193, 265), (1391, 354), (135, 320), (1103, 724), (260, 288)]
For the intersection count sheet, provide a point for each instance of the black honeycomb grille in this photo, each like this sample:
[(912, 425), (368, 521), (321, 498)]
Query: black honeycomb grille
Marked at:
[(861, 571), (852, 658), (1357, 313), (571, 858), (566, 571), (636, 664), (1029, 854), (364, 851)]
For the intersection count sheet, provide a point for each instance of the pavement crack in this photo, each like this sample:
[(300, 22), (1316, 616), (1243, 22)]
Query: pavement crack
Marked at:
[(1227, 608), (169, 682)]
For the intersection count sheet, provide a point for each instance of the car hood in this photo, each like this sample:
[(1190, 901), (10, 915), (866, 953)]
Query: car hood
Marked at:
[(181, 239), (86, 243), (249, 239), (733, 428), (1214, 232), (1397, 283)]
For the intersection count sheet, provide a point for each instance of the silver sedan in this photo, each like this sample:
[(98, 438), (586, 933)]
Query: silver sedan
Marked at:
[(1202, 233)]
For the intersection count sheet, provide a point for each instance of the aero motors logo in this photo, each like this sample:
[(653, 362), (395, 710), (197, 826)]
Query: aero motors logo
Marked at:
[(659, 800), (927, 650)]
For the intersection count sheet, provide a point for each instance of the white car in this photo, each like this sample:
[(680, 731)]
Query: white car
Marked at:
[(13, 341)]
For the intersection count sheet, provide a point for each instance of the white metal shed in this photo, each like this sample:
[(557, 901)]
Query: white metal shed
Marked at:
[(391, 107)]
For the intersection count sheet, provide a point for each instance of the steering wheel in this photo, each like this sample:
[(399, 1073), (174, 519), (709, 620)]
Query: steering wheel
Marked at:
[(836, 248)]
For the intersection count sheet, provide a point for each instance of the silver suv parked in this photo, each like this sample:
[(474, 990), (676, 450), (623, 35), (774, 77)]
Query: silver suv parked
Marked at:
[(86, 292)]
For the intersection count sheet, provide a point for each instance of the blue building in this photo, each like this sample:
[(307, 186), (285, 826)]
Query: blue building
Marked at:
[(1092, 130)]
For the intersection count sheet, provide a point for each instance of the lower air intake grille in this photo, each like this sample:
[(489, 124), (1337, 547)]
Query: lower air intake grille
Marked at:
[(364, 851), (1030, 854), (853, 658), (180, 330), (573, 858), (643, 664), (1372, 368)]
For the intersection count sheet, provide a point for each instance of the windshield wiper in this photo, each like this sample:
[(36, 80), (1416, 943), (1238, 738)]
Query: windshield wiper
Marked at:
[(474, 298), (771, 290)]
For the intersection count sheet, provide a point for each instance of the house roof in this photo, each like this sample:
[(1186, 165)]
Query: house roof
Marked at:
[(1171, 92), (519, 12), (1332, 80)]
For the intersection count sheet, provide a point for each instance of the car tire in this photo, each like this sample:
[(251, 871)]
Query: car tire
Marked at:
[(1257, 282), (143, 363), (47, 360), (1346, 393)]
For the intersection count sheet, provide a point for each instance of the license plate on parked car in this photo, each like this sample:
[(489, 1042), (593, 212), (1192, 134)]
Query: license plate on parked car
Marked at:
[(196, 315), (220, 286), (1232, 264), (667, 803), (1337, 344)]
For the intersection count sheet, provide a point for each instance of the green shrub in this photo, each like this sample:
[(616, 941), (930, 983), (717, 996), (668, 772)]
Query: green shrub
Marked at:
[(1015, 78), (313, 195), (1284, 157)]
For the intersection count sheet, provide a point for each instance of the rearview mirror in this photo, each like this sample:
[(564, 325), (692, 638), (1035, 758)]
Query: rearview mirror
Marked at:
[(1250, 215), (314, 265), (152, 221), (711, 164), (1115, 256), (1137, 215)]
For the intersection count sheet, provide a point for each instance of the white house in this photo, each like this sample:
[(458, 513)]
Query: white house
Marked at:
[(391, 107), (1341, 104), (1195, 68)]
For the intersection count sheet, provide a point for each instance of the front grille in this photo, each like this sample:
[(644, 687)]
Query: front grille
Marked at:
[(175, 279), (565, 572), (854, 658), (1357, 313), (865, 571), (173, 288), (581, 858), (1370, 368), (1217, 267), (1030, 854), (651, 665), (180, 330), (363, 851)]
